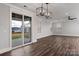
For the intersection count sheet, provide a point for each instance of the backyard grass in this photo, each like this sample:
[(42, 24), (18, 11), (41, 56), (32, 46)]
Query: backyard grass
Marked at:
[(16, 35), (19, 35)]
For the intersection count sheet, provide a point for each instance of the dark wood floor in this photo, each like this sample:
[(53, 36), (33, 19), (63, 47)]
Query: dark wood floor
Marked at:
[(49, 46)]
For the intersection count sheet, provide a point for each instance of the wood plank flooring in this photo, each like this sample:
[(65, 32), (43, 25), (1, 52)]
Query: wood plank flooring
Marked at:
[(49, 46)]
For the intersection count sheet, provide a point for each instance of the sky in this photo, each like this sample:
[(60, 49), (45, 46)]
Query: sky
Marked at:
[(16, 23)]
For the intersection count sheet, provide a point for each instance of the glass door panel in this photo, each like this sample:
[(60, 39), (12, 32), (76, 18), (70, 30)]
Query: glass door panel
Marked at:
[(17, 30), (27, 29)]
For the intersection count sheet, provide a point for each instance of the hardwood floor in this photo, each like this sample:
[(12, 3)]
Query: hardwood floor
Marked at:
[(49, 46)]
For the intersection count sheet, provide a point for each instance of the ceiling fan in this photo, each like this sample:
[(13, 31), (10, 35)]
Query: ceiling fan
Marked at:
[(70, 18)]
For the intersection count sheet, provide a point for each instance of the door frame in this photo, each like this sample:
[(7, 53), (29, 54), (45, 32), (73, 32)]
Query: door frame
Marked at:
[(22, 32), (30, 27)]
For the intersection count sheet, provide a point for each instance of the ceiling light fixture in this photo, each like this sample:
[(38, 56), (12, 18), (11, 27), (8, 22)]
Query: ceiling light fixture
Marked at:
[(25, 6), (42, 11)]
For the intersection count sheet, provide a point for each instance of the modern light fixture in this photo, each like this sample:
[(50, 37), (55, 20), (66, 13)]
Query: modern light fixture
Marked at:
[(40, 10), (43, 11)]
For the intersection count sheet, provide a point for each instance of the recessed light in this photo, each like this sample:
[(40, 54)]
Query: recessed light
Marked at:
[(25, 6)]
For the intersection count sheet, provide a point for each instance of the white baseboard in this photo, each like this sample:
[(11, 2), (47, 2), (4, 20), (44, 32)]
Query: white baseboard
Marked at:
[(44, 36), (67, 35), (5, 50), (9, 49), (21, 45)]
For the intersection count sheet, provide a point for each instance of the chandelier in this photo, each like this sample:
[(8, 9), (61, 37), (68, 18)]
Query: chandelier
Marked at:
[(42, 11)]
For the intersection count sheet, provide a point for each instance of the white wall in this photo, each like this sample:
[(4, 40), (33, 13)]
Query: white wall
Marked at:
[(4, 27), (40, 28), (63, 26), (44, 27)]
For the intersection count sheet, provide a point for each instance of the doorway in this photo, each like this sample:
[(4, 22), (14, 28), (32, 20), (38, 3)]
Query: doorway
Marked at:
[(21, 29)]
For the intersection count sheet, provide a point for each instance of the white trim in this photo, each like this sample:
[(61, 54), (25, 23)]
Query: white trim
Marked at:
[(4, 50), (11, 11), (67, 35), (10, 29), (23, 29), (22, 12), (9, 49), (21, 45)]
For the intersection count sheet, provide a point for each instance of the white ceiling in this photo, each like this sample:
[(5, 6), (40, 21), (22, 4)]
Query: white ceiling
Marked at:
[(32, 6), (58, 9)]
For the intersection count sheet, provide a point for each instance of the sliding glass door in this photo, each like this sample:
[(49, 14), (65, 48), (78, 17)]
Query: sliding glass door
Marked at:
[(21, 29), (27, 29)]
